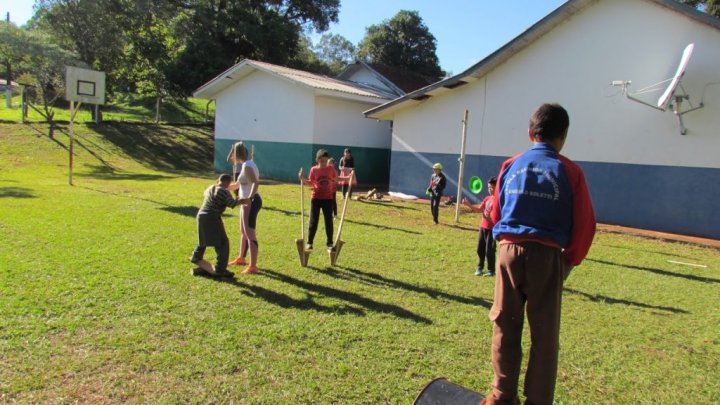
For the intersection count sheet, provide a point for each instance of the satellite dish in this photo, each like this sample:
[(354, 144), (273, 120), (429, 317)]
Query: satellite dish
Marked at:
[(667, 96)]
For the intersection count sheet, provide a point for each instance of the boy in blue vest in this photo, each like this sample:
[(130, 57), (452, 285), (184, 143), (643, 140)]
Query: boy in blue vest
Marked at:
[(544, 225)]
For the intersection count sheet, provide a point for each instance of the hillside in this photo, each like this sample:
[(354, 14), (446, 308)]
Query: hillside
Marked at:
[(104, 148)]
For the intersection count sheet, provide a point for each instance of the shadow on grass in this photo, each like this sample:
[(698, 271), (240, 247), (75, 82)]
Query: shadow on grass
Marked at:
[(633, 249), (45, 135), (109, 173), (80, 141), (186, 210), (660, 272), (378, 280), (357, 299), (383, 227), (17, 192), (463, 227), (286, 301), (614, 301), (161, 147)]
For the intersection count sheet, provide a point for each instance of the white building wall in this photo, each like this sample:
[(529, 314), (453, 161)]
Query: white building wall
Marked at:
[(265, 108), (574, 65), (339, 122)]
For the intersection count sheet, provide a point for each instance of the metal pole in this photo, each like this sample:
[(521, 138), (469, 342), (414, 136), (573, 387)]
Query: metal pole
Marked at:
[(462, 167)]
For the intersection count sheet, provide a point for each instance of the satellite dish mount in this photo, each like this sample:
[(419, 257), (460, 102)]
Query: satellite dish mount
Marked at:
[(671, 97)]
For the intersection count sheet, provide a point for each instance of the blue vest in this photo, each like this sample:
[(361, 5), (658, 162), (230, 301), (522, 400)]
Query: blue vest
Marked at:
[(535, 197)]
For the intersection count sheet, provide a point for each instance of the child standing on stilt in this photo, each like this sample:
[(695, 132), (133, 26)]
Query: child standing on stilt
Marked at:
[(323, 180)]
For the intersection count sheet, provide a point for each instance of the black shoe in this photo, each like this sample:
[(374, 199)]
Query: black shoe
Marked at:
[(193, 259), (224, 273)]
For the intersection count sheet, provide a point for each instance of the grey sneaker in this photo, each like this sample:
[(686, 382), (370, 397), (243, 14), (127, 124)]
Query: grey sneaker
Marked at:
[(479, 271), (308, 247), (489, 274)]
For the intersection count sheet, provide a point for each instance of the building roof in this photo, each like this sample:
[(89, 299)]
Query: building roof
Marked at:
[(522, 41), (322, 84), (399, 80)]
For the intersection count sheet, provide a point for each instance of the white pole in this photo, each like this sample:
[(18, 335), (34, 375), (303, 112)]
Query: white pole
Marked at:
[(461, 159), (72, 141)]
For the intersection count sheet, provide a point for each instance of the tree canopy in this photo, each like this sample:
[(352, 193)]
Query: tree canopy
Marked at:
[(711, 7), (174, 46), (403, 42)]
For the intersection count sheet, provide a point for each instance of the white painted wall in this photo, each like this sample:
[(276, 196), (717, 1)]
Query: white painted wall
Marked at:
[(574, 64), (267, 108), (339, 122)]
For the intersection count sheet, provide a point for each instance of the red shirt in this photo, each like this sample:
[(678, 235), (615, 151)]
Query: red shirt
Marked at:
[(323, 182), (485, 208)]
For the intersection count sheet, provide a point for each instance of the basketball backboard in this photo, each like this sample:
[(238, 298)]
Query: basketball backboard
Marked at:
[(84, 85)]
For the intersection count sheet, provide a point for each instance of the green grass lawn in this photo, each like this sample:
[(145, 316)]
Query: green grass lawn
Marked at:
[(120, 108), (97, 303)]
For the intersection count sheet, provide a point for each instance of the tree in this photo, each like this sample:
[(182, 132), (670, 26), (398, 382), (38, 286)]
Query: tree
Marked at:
[(403, 42), (219, 33), (40, 63), (306, 59), (151, 48), (711, 7), (336, 51), (93, 29)]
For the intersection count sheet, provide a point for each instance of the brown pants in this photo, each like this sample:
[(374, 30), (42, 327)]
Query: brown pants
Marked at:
[(528, 274)]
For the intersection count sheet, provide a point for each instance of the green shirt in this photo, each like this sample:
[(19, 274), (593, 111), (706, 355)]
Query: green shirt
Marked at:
[(216, 200)]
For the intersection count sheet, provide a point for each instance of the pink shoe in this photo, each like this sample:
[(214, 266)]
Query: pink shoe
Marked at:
[(239, 261)]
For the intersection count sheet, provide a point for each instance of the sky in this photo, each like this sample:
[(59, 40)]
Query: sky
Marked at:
[(466, 30)]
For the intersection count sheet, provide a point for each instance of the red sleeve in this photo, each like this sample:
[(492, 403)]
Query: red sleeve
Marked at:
[(583, 228), (495, 213), (312, 177)]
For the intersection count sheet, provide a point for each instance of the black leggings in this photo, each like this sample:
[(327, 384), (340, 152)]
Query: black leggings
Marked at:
[(486, 249), (326, 207), (345, 190), (435, 206)]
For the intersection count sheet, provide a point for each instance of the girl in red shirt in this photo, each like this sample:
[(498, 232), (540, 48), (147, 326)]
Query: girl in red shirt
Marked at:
[(323, 180)]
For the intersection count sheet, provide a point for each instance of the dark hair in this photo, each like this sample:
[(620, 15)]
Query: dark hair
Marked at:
[(224, 178), (493, 180), (322, 153), (549, 121), (347, 150)]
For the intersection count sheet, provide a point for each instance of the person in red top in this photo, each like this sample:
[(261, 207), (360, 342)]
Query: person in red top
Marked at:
[(544, 225), (323, 180), (486, 243)]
